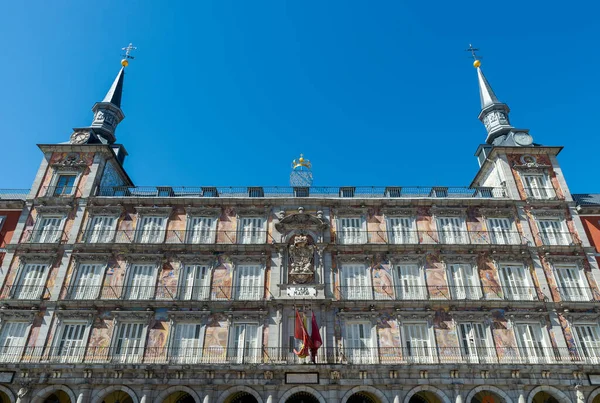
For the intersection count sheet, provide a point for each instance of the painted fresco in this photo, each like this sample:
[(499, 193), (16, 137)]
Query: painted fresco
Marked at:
[(477, 233), (388, 335), (446, 336), (383, 281), (158, 331), (227, 226), (216, 335), (100, 336), (168, 275), (426, 226), (376, 232), (568, 332), (222, 280), (435, 277), (504, 338), (488, 274), (35, 330)]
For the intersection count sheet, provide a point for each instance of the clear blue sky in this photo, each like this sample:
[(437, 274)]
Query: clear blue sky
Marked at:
[(229, 92)]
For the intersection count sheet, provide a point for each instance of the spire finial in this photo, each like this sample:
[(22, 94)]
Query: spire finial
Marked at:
[(476, 61), (127, 54)]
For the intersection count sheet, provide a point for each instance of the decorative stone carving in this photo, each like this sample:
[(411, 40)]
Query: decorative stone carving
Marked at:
[(71, 160), (335, 375), (268, 375), (301, 220), (301, 258)]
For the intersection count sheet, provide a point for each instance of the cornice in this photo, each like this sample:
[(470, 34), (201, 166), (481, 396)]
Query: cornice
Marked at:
[(154, 210), (203, 211)]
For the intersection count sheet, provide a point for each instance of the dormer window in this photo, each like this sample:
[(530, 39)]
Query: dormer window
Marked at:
[(65, 184), (537, 186)]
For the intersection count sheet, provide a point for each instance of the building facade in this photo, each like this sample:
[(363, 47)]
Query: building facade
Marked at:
[(118, 293), (12, 202), (588, 206)]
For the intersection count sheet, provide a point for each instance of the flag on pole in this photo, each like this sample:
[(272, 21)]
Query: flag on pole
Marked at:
[(301, 333), (315, 337)]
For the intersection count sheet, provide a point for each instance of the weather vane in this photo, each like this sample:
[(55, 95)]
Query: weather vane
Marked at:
[(127, 54), (476, 58)]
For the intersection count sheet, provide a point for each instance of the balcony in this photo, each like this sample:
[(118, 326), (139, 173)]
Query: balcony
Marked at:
[(24, 292), (439, 293), (540, 193), (369, 192), (419, 237), (44, 236), (284, 356), (175, 237), (162, 293), (577, 294), (59, 191)]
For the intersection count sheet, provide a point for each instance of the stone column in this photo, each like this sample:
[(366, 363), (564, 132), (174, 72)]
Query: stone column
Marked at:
[(84, 394), (457, 394), (579, 394), (521, 394), (208, 396), (146, 395)]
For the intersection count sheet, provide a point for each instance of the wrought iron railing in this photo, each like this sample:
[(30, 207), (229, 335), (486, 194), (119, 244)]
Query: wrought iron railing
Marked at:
[(562, 238), (59, 191), (50, 236), (204, 237), (24, 292), (546, 193), (285, 356), (164, 293), (13, 194), (426, 237), (313, 191)]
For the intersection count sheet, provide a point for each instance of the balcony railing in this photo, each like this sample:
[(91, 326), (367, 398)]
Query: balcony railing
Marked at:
[(13, 194), (163, 293), (285, 356), (428, 292), (205, 237), (59, 191), (316, 192), (359, 237), (578, 294), (24, 292), (50, 236), (563, 238), (546, 193)]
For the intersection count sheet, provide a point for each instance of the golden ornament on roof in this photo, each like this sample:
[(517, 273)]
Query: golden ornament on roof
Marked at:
[(301, 162), (476, 63), (124, 63)]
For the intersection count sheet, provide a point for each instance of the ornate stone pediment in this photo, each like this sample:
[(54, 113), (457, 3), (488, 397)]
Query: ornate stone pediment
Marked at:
[(70, 161), (301, 220), (565, 258), (506, 212), (92, 257)]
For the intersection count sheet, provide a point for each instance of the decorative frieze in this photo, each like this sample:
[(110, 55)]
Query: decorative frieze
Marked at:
[(106, 210), (154, 210), (203, 211)]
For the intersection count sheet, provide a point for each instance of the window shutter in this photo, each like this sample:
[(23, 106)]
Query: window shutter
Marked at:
[(88, 283), (49, 229), (245, 342), (101, 229), (129, 342), (202, 230), (401, 230), (530, 340), (451, 230), (71, 344), (411, 282), (465, 281), (152, 229), (500, 229), (358, 343), (12, 341), (570, 284), (536, 186), (32, 281), (187, 342), (249, 282), (252, 230), (355, 282), (516, 284), (589, 338), (351, 230), (195, 282), (142, 282), (417, 342)]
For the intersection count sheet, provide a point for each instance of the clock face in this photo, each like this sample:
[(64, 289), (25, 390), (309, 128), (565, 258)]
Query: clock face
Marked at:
[(523, 139), (79, 137)]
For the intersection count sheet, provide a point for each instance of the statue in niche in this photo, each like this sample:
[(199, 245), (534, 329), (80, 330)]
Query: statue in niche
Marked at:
[(301, 258)]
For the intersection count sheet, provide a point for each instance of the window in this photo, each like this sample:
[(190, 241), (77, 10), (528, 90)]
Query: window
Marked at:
[(355, 282), (401, 230), (187, 343), (359, 343), (516, 283), (250, 284), (464, 281), (532, 342), (88, 281), (65, 185), (351, 231), (151, 229), (13, 337), (501, 232), (129, 343), (571, 283), (418, 346), (252, 230), (194, 283), (410, 282), (2, 220), (71, 342), (201, 230), (553, 232), (451, 230), (537, 187), (475, 343), (101, 229), (31, 281), (142, 278), (48, 229), (588, 336), (244, 343)]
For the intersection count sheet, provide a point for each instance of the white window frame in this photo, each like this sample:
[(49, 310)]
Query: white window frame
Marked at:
[(474, 352), (252, 239), (193, 238), (180, 354), (502, 234), (253, 294), (425, 354), (361, 355), (343, 238), (13, 353), (470, 283), (455, 235), (198, 291), (405, 287), (237, 355), (533, 353), (348, 291), (525, 292), (151, 290), (40, 234), (18, 290), (106, 234), (588, 350), (87, 292), (546, 191), (56, 177), (578, 292), (563, 238), (138, 353), (142, 233), (404, 235), (70, 354)]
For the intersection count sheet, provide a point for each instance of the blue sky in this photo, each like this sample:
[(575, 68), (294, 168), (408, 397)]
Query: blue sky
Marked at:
[(229, 92)]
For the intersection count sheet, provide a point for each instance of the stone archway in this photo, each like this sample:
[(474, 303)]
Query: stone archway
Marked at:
[(6, 395), (46, 393), (239, 393), (177, 393), (488, 388), (424, 394), (302, 391), (110, 393), (369, 392), (547, 393), (592, 397)]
